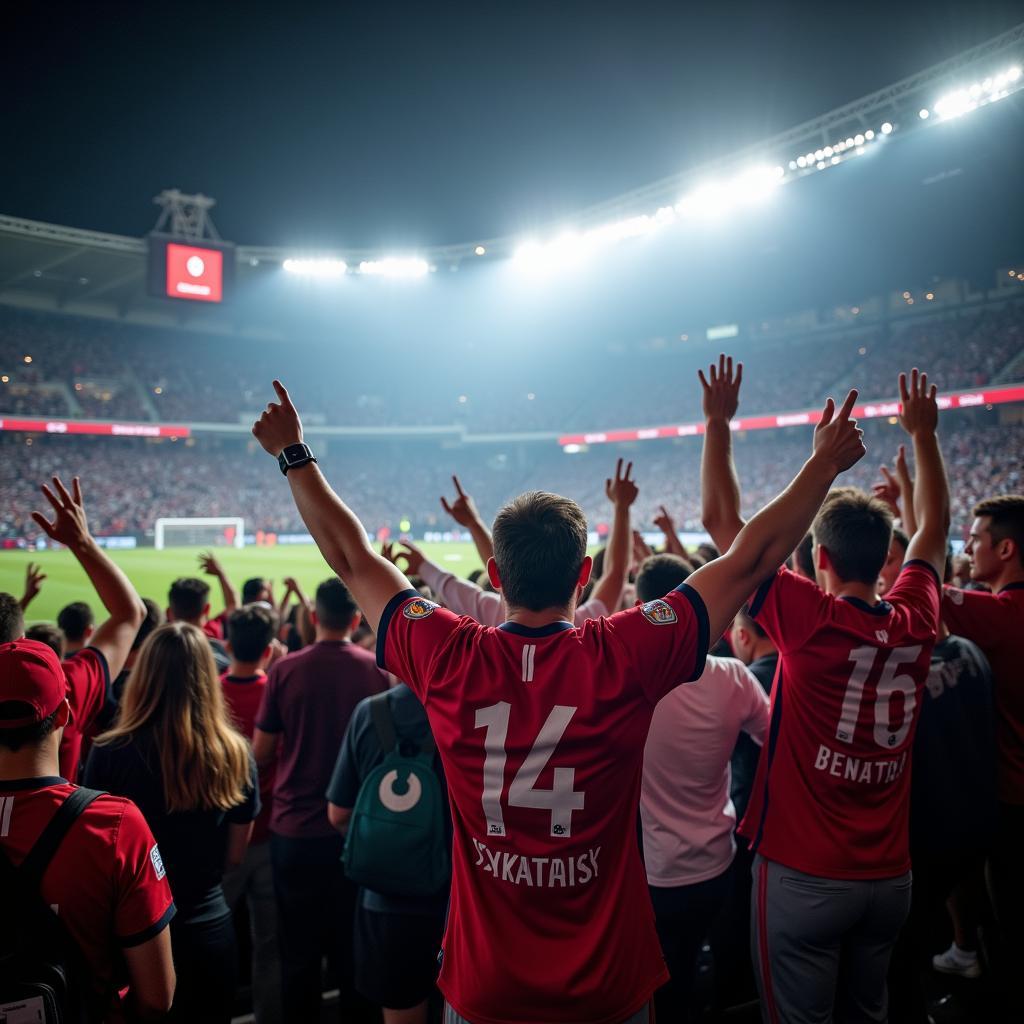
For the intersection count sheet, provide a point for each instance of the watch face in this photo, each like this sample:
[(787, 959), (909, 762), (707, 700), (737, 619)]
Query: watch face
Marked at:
[(294, 452)]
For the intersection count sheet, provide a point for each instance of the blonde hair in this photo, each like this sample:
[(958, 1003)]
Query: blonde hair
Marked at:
[(174, 692)]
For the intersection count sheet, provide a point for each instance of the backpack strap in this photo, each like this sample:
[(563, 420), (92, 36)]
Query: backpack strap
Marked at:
[(33, 867), (383, 722)]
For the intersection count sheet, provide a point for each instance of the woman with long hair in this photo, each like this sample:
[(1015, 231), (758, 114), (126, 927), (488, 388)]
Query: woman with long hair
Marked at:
[(174, 751)]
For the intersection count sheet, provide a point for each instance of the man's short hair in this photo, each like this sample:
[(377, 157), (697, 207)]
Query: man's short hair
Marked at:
[(335, 605), (250, 630), (540, 542), (749, 622), (12, 619), (856, 531), (74, 620), (188, 597), (252, 589), (47, 634), (23, 735), (1006, 519), (660, 575), (154, 617), (803, 557)]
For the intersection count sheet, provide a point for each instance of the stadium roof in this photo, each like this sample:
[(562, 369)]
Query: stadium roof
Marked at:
[(50, 267)]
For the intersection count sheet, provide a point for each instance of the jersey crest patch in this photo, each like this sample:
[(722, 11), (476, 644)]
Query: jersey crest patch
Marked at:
[(418, 609), (659, 613), (158, 862)]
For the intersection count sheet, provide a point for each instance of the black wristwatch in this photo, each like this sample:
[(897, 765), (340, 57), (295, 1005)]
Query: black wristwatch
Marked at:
[(295, 455)]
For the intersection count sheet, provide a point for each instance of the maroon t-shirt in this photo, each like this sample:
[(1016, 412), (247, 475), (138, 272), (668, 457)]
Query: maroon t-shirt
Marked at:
[(310, 697)]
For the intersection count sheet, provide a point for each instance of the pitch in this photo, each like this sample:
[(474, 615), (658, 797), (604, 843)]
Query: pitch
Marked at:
[(152, 572)]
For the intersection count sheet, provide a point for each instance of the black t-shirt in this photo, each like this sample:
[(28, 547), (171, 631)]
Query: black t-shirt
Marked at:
[(953, 785), (193, 844), (746, 753), (360, 753)]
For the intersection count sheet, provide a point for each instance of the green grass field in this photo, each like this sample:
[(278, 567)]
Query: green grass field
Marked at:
[(153, 571)]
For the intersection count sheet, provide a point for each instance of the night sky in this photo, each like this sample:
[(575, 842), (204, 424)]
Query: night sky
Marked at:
[(386, 124)]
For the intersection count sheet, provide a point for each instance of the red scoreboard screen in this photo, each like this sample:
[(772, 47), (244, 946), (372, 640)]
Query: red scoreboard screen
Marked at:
[(184, 270)]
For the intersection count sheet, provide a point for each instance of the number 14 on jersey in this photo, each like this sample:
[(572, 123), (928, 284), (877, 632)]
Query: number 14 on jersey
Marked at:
[(560, 800)]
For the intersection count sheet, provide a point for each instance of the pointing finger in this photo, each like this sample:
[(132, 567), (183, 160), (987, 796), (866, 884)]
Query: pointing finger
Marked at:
[(282, 393), (851, 398)]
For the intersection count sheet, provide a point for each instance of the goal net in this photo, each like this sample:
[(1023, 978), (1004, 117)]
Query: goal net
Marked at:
[(225, 532)]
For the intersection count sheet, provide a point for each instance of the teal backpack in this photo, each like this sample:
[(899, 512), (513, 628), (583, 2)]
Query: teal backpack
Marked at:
[(397, 842)]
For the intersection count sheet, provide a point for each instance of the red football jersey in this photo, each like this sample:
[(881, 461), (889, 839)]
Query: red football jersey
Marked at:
[(541, 732), (832, 792), (244, 696), (88, 688), (995, 622), (106, 880)]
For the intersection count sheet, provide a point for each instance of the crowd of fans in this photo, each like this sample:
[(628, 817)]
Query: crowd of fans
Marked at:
[(133, 482), (258, 770), (111, 370)]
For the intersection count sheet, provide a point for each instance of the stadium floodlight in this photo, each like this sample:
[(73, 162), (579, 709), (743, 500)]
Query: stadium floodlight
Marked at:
[(326, 268), (924, 113), (480, 250), (395, 266), (887, 128), (962, 101)]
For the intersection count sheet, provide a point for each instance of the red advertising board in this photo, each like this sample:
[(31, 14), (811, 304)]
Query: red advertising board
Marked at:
[(194, 273), (108, 429), (806, 417)]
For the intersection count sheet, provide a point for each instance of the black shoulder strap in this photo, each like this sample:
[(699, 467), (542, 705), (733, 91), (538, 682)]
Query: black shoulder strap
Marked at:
[(33, 867), (383, 722)]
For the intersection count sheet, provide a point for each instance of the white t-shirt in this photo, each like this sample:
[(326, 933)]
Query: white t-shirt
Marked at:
[(687, 814), (464, 597)]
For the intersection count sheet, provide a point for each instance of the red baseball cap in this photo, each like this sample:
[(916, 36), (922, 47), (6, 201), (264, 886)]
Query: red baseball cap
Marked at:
[(31, 672)]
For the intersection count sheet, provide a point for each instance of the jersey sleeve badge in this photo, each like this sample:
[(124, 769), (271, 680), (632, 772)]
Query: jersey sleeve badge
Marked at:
[(659, 613), (419, 609), (157, 862)]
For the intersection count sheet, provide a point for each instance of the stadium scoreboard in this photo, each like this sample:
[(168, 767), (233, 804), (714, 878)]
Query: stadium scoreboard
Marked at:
[(189, 270)]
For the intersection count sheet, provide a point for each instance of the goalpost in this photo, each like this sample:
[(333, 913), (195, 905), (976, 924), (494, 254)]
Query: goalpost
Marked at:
[(226, 531)]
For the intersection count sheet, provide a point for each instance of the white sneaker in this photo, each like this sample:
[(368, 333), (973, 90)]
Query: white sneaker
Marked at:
[(957, 961)]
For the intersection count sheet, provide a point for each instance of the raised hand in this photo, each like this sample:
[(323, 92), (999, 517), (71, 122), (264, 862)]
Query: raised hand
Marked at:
[(279, 426), (641, 550), (34, 577), (887, 490), (411, 556), (209, 564), (837, 439), (462, 509), (621, 490), (69, 526), (919, 407), (721, 389), (664, 522)]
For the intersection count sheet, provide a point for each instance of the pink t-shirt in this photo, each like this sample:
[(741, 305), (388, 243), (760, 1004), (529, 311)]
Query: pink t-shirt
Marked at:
[(687, 814)]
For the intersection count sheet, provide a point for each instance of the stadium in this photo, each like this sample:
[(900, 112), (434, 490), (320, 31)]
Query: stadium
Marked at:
[(827, 253)]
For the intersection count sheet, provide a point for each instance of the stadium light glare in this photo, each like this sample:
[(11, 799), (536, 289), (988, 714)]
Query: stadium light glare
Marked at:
[(962, 101), (887, 128), (323, 268), (924, 113), (395, 266), (869, 135), (480, 250)]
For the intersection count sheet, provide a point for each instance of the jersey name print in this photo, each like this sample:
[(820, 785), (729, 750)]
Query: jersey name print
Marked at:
[(832, 790), (541, 732)]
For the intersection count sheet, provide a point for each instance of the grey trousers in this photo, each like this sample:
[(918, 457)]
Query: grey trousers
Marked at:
[(645, 1015), (821, 946), (253, 881)]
